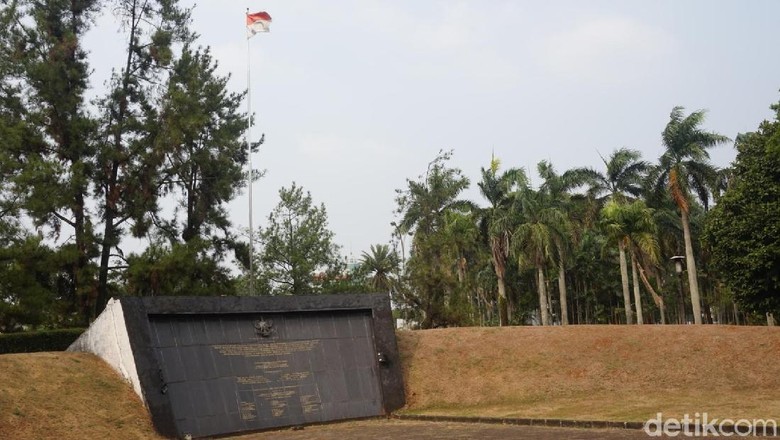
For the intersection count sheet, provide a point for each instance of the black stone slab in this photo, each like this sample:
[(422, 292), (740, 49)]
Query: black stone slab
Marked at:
[(219, 365)]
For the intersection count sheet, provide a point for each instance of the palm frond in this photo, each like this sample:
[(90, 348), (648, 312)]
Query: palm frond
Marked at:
[(700, 176)]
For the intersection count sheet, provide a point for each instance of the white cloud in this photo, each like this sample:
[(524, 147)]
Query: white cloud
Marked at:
[(611, 49)]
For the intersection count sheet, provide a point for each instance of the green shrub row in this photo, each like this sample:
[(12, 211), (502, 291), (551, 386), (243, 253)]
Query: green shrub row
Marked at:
[(44, 340)]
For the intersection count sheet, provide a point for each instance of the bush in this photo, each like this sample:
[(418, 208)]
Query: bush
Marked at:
[(44, 340)]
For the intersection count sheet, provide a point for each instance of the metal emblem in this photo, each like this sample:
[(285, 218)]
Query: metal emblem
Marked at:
[(264, 328)]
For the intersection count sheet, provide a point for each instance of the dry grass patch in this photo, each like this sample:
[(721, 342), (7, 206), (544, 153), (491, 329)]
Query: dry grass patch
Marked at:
[(621, 373), (67, 396)]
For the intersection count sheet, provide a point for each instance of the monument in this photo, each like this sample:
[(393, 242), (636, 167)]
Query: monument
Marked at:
[(208, 366)]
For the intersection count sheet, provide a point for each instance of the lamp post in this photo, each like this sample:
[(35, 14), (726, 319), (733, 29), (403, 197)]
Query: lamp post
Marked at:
[(678, 267)]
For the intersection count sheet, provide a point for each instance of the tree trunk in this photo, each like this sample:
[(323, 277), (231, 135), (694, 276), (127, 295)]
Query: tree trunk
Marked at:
[(624, 278), (109, 239), (503, 318), (577, 301), (111, 190), (544, 309), (691, 266), (562, 291), (658, 299), (587, 313), (461, 270), (680, 301), (637, 297), (82, 281), (499, 265)]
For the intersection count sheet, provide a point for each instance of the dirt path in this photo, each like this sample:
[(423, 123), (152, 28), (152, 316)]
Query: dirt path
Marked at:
[(415, 430)]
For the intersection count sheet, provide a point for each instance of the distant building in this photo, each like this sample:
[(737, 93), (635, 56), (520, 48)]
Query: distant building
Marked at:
[(352, 264)]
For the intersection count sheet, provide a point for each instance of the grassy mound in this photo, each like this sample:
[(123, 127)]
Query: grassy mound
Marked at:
[(67, 396), (620, 373)]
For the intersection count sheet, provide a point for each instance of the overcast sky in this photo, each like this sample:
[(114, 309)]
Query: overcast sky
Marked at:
[(356, 96)]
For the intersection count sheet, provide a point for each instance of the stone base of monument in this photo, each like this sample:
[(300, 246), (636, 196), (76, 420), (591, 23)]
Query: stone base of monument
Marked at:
[(207, 366)]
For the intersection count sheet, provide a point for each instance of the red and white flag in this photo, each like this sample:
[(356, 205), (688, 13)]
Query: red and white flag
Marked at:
[(257, 22)]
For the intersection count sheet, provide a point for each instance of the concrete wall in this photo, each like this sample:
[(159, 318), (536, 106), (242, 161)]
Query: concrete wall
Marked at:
[(107, 338)]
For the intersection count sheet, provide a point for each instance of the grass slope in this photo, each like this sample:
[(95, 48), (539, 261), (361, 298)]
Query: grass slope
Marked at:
[(67, 396), (620, 373)]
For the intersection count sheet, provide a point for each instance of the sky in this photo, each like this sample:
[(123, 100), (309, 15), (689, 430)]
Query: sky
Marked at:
[(354, 97)]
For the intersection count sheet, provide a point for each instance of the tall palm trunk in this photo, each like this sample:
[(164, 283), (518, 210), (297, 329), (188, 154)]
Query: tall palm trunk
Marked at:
[(624, 278), (499, 265), (680, 302), (637, 297), (461, 270), (543, 296), (503, 315), (691, 266), (562, 291)]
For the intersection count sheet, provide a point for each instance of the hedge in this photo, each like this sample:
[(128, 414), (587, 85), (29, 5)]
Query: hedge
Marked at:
[(44, 340)]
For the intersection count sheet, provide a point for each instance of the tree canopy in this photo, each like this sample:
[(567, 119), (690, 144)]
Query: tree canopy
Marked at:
[(743, 229), (89, 175)]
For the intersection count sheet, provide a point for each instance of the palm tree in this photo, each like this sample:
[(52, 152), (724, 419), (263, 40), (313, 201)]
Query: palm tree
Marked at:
[(463, 245), (424, 205), (685, 170), (423, 208), (557, 187), (463, 240), (380, 263), (534, 240), (622, 182), (633, 226), (499, 221), (625, 172)]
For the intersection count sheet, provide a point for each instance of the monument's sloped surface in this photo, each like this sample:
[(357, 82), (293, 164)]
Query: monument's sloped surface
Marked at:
[(212, 366)]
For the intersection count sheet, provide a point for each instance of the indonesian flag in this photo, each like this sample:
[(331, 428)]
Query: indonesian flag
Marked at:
[(257, 22)]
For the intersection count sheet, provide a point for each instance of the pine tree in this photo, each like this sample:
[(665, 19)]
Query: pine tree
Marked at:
[(297, 244), (200, 129), (44, 40), (127, 166)]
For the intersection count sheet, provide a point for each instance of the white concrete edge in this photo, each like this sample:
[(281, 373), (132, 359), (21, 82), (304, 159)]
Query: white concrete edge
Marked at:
[(107, 338)]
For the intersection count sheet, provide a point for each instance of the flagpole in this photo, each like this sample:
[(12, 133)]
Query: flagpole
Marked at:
[(248, 136)]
